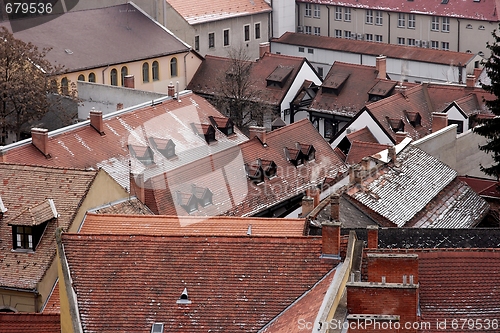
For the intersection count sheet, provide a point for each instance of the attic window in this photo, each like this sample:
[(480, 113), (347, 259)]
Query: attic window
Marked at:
[(481, 27), (165, 146), (184, 299), (307, 150), (279, 76), (269, 168), (468, 26), (142, 154), (255, 172), (187, 201), (202, 194), (157, 328), (444, 2), (397, 125), (414, 119), (333, 83), (294, 156), (223, 124), (205, 131)]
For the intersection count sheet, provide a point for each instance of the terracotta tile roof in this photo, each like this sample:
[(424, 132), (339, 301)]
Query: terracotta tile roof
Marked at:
[(300, 316), (24, 186), (233, 283), (376, 49), (53, 303), (196, 11), (438, 199), (27, 322), (361, 149), (351, 87), (442, 95), (99, 37), (453, 8), (364, 135), (81, 146), (163, 225), (207, 79), (127, 206), (481, 186), (225, 175), (36, 215)]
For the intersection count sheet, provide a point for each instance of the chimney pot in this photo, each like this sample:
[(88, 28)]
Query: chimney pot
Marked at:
[(404, 280), (439, 121), (411, 280), (400, 136), (470, 80), (259, 132), (96, 121), (307, 205), (264, 48), (381, 67), (128, 81), (391, 152), (372, 231), (40, 139), (171, 89), (330, 238), (335, 206)]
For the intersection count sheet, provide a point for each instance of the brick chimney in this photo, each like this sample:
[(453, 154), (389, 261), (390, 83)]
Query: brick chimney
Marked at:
[(372, 231), (477, 72), (264, 48), (394, 266), (257, 131), (391, 154), (439, 121), (40, 139), (330, 238), (470, 81), (307, 205), (335, 207), (128, 81), (354, 174), (96, 121), (171, 90), (400, 136), (381, 67), (137, 186), (314, 193)]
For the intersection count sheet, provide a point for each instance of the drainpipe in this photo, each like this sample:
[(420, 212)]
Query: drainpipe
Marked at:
[(458, 39), (328, 9), (389, 30), (185, 68), (164, 13), (103, 81)]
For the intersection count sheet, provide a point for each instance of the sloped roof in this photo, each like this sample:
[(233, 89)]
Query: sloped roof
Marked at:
[(363, 135), (224, 174), (24, 186), (196, 11), (484, 11), (360, 149), (100, 37), (36, 215), (482, 186), (212, 72), (189, 225), (81, 146), (233, 283), (27, 322), (126, 206), (420, 192), (53, 302), (376, 49)]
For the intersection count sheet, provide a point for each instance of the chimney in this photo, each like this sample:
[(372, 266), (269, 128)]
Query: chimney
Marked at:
[(335, 207), (128, 81), (96, 121), (400, 136), (372, 231), (391, 154), (137, 186), (477, 72), (381, 67), (355, 174), (171, 90), (40, 139), (330, 238), (307, 205), (470, 81), (314, 193), (259, 132), (264, 48), (439, 121)]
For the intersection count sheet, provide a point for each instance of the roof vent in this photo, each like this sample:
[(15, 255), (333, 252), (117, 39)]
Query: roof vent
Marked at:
[(68, 51), (249, 231), (184, 298), (157, 328)]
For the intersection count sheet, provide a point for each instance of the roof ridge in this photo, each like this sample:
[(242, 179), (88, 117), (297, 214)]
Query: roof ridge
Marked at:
[(53, 167), (223, 238)]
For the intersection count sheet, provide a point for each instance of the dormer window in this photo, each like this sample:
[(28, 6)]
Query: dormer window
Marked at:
[(205, 131), (414, 118), (269, 168), (307, 150), (295, 156), (255, 172), (279, 76), (142, 154), (187, 201), (396, 125), (202, 194), (223, 124), (166, 147)]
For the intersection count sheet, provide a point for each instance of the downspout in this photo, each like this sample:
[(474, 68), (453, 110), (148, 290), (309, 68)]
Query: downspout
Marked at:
[(270, 29), (103, 82), (458, 39), (328, 9), (164, 13), (298, 14), (185, 68), (389, 31)]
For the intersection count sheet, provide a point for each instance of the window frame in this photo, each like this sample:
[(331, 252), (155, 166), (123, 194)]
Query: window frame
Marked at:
[(411, 42), (435, 23), (257, 31), (401, 41), (155, 70), (401, 20), (197, 43), (92, 77), (225, 37), (338, 33), (65, 86), (123, 73), (379, 17), (434, 45), (23, 240), (246, 32), (347, 34), (338, 13), (308, 30), (113, 77), (145, 72), (81, 77), (445, 24), (317, 31), (317, 11), (445, 46), (411, 21), (369, 16), (211, 40), (347, 14), (308, 10), (379, 38), (174, 71), (369, 37)]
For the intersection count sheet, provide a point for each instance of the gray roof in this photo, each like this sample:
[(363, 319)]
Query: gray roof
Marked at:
[(99, 37)]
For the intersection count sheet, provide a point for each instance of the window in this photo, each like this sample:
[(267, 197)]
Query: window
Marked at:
[(378, 17), (338, 13), (145, 72), (378, 38), (257, 30), (347, 34), (156, 70), (226, 37), (401, 41), (197, 43), (23, 237), (92, 77), (308, 29), (445, 27), (481, 27), (246, 30), (64, 86), (435, 23), (347, 14), (173, 67), (317, 31), (468, 26), (114, 77), (211, 40), (310, 51), (81, 77), (401, 20), (369, 16), (411, 42), (124, 72), (369, 37), (320, 72), (308, 10), (317, 11), (301, 49), (338, 33), (445, 46), (434, 44), (460, 125), (411, 21)]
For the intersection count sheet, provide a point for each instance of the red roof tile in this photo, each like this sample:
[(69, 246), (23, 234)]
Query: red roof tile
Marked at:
[(30, 322), (363, 135), (53, 304), (360, 149), (233, 283), (482, 186)]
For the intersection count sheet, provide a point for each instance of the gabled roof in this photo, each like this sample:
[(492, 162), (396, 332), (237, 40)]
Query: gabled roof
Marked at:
[(482, 186), (165, 225), (224, 174), (362, 135), (37, 214), (417, 191), (376, 49), (196, 11), (100, 37), (360, 149), (28, 322), (26, 186), (233, 283), (130, 205), (213, 69), (358, 82), (81, 146), (475, 10)]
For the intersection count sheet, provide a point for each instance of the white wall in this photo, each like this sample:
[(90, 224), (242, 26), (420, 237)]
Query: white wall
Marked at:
[(454, 114), (283, 17)]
